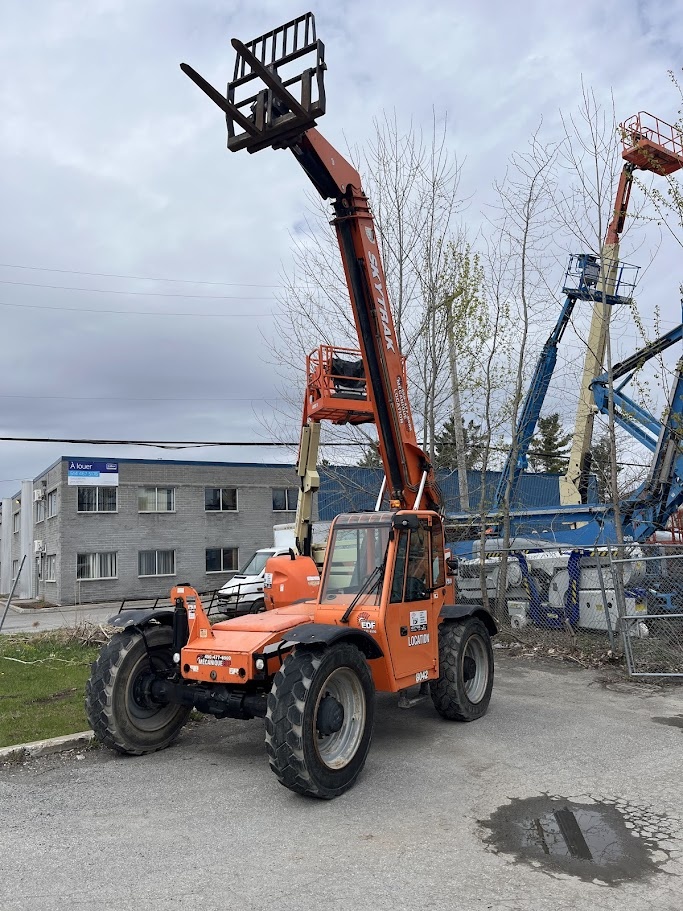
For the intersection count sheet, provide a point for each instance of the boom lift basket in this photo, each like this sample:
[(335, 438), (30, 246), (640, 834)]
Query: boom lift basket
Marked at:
[(652, 144), (336, 387), (582, 279), (278, 114)]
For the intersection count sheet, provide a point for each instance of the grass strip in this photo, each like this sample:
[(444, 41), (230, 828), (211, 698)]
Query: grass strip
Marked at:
[(42, 683)]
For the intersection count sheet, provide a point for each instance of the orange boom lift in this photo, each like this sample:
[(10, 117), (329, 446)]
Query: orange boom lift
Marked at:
[(384, 616)]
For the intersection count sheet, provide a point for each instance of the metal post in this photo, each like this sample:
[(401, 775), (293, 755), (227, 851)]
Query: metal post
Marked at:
[(617, 582), (11, 594), (610, 631), (420, 491), (381, 494)]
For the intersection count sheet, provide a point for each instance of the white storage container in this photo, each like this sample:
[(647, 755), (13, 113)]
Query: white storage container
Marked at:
[(592, 608)]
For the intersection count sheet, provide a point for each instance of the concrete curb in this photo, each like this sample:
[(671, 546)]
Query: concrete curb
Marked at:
[(21, 751), (18, 609), (70, 609)]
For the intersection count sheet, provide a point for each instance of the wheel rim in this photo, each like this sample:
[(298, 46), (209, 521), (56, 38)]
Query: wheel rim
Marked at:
[(338, 749), (146, 715), (475, 668)]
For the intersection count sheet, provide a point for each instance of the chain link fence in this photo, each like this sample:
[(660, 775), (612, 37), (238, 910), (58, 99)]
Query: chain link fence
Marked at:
[(590, 605), (653, 643)]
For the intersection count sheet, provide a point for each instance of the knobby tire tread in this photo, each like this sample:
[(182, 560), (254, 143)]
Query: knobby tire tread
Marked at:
[(284, 722), (447, 691), (99, 696)]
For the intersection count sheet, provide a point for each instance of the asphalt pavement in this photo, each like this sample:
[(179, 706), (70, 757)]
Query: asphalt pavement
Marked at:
[(205, 825)]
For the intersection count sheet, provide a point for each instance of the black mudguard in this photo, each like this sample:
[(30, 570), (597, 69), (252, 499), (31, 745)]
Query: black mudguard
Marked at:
[(328, 634), (462, 611), (142, 617)]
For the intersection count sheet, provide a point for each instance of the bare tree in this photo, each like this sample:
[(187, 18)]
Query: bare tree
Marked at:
[(522, 235), (411, 179)]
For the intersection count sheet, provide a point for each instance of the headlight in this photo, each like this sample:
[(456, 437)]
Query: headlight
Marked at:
[(260, 664)]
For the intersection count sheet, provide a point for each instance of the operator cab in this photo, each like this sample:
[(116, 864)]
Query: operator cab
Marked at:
[(400, 554)]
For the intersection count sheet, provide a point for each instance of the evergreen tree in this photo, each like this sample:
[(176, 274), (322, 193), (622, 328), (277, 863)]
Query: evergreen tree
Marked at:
[(550, 446), (445, 446)]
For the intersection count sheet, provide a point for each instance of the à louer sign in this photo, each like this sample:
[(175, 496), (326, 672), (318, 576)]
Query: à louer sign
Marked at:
[(84, 473)]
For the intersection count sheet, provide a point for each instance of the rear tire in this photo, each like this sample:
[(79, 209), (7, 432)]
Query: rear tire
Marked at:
[(120, 716), (306, 760), (462, 692)]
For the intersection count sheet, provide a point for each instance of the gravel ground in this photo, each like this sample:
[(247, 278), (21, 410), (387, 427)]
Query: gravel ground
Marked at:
[(205, 824)]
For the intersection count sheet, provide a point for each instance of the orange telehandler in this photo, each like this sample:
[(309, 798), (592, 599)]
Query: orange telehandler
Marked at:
[(384, 616)]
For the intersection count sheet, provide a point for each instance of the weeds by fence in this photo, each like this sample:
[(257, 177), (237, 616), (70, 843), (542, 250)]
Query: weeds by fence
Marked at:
[(592, 606)]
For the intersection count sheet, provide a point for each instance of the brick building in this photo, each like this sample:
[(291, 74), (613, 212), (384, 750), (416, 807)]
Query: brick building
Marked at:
[(101, 529)]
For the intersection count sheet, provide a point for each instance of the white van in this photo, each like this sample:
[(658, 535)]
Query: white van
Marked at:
[(244, 591)]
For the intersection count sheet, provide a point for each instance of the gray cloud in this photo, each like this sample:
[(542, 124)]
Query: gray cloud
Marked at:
[(111, 161)]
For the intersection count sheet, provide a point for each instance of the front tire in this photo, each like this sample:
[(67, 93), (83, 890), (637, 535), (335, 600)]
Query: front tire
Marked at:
[(462, 691), (319, 720), (118, 711)]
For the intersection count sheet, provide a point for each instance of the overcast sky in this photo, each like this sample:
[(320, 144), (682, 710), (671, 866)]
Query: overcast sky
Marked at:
[(112, 162)]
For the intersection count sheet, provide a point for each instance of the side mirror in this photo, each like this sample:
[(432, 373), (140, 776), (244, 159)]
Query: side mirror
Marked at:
[(452, 564)]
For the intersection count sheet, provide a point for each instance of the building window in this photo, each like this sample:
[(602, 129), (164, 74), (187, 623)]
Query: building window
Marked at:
[(15, 569), (156, 499), (52, 504), (220, 499), (97, 499), (50, 568), (16, 522), (40, 510), (156, 563), (221, 559), (284, 499), (96, 566)]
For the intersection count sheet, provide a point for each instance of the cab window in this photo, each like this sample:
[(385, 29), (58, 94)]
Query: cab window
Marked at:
[(412, 576), (438, 546), (399, 568), (354, 554)]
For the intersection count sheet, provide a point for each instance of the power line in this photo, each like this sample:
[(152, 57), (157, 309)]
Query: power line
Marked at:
[(138, 278), (239, 297), (161, 444), (157, 313), (164, 444), (124, 398)]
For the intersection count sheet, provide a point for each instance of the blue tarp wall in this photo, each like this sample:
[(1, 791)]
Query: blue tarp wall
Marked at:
[(351, 489)]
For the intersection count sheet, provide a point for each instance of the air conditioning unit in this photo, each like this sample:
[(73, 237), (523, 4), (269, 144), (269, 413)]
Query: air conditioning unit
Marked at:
[(38, 547), (38, 495)]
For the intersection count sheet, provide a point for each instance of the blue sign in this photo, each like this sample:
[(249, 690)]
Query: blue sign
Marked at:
[(86, 472)]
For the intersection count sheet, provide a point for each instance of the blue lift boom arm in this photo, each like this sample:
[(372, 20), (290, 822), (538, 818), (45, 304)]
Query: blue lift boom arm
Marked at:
[(517, 459)]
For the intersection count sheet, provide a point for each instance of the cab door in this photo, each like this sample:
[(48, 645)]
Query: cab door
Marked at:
[(412, 612)]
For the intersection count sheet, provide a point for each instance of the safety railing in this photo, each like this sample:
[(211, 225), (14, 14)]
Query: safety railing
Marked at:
[(153, 603), (652, 144), (646, 126)]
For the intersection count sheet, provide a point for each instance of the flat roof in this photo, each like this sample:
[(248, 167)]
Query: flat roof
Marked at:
[(101, 458)]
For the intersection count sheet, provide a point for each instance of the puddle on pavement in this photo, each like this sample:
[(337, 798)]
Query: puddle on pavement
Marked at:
[(674, 721), (598, 840)]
